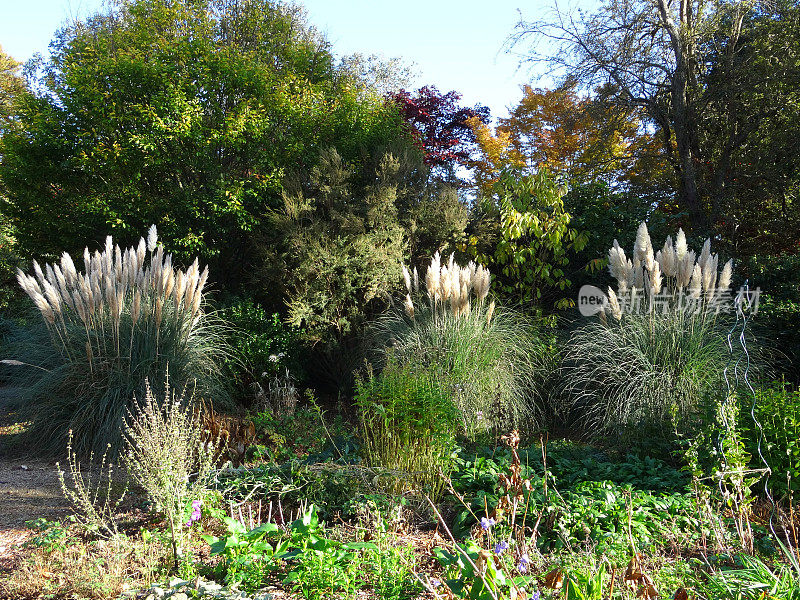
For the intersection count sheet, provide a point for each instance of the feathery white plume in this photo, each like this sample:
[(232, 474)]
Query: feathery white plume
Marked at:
[(152, 238)]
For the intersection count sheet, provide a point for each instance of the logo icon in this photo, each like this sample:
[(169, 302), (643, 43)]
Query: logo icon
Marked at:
[(591, 300)]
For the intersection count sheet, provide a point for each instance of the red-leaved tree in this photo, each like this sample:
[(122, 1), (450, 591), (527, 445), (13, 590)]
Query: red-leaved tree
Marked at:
[(439, 126)]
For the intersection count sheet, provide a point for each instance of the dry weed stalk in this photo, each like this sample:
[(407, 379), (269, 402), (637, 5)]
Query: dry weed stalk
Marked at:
[(91, 496), (169, 456)]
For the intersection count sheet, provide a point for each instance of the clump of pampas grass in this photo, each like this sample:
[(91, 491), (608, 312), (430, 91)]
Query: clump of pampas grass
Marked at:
[(127, 316), (669, 279), (648, 373), (489, 358)]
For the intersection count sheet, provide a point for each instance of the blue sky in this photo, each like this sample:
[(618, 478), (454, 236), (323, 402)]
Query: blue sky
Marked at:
[(455, 45)]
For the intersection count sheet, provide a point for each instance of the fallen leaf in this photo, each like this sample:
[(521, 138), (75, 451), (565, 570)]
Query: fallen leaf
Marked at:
[(554, 579), (648, 591)]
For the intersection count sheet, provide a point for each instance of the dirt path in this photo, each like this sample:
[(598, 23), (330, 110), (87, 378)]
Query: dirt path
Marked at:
[(29, 489)]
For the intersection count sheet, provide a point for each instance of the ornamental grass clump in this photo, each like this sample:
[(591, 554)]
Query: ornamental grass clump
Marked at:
[(406, 426), (488, 358), (126, 317), (660, 346)]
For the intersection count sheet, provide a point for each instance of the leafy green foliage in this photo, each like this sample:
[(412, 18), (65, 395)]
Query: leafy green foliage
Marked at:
[(466, 579), (528, 238), (11, 300), (752, 578), (50, 535), (716, 456), (407, 425), (188, 114), (12, 89), (262, 346), (330, 486), (779, 307), (607, 214), (585, 586), (777, 410), (337, 255), (317, 566), (589, 498), (296, 436), (248, 555), (345, 229)]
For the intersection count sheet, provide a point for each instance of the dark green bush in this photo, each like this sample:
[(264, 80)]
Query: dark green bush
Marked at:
[(778, 279), (262, 347)]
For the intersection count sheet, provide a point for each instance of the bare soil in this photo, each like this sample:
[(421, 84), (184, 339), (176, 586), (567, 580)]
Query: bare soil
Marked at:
[(29, 488)]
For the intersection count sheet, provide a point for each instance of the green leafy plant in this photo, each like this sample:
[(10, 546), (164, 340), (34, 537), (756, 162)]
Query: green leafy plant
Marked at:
[(474, 572), (754, 579), (584, 586), (496, 563), (777, 410), (127, 317), (262, 347), (322, 567), (298, 435), (583, 498), (406, 425), (50, 535), (248, 555), (722, 479), (531, 239)]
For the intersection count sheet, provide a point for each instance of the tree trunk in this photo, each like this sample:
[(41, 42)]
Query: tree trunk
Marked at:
[(681, 120)]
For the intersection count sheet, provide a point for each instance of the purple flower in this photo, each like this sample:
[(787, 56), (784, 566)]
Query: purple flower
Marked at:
[(535, 595), (487, 523), (500, 547), (196, 514), (435, 583), (524, 561)]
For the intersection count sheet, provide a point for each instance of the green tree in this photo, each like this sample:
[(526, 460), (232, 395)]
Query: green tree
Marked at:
[(184, 113), (12, 90), (523, 233), (709, 76), (12, 86), (346, 230)]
